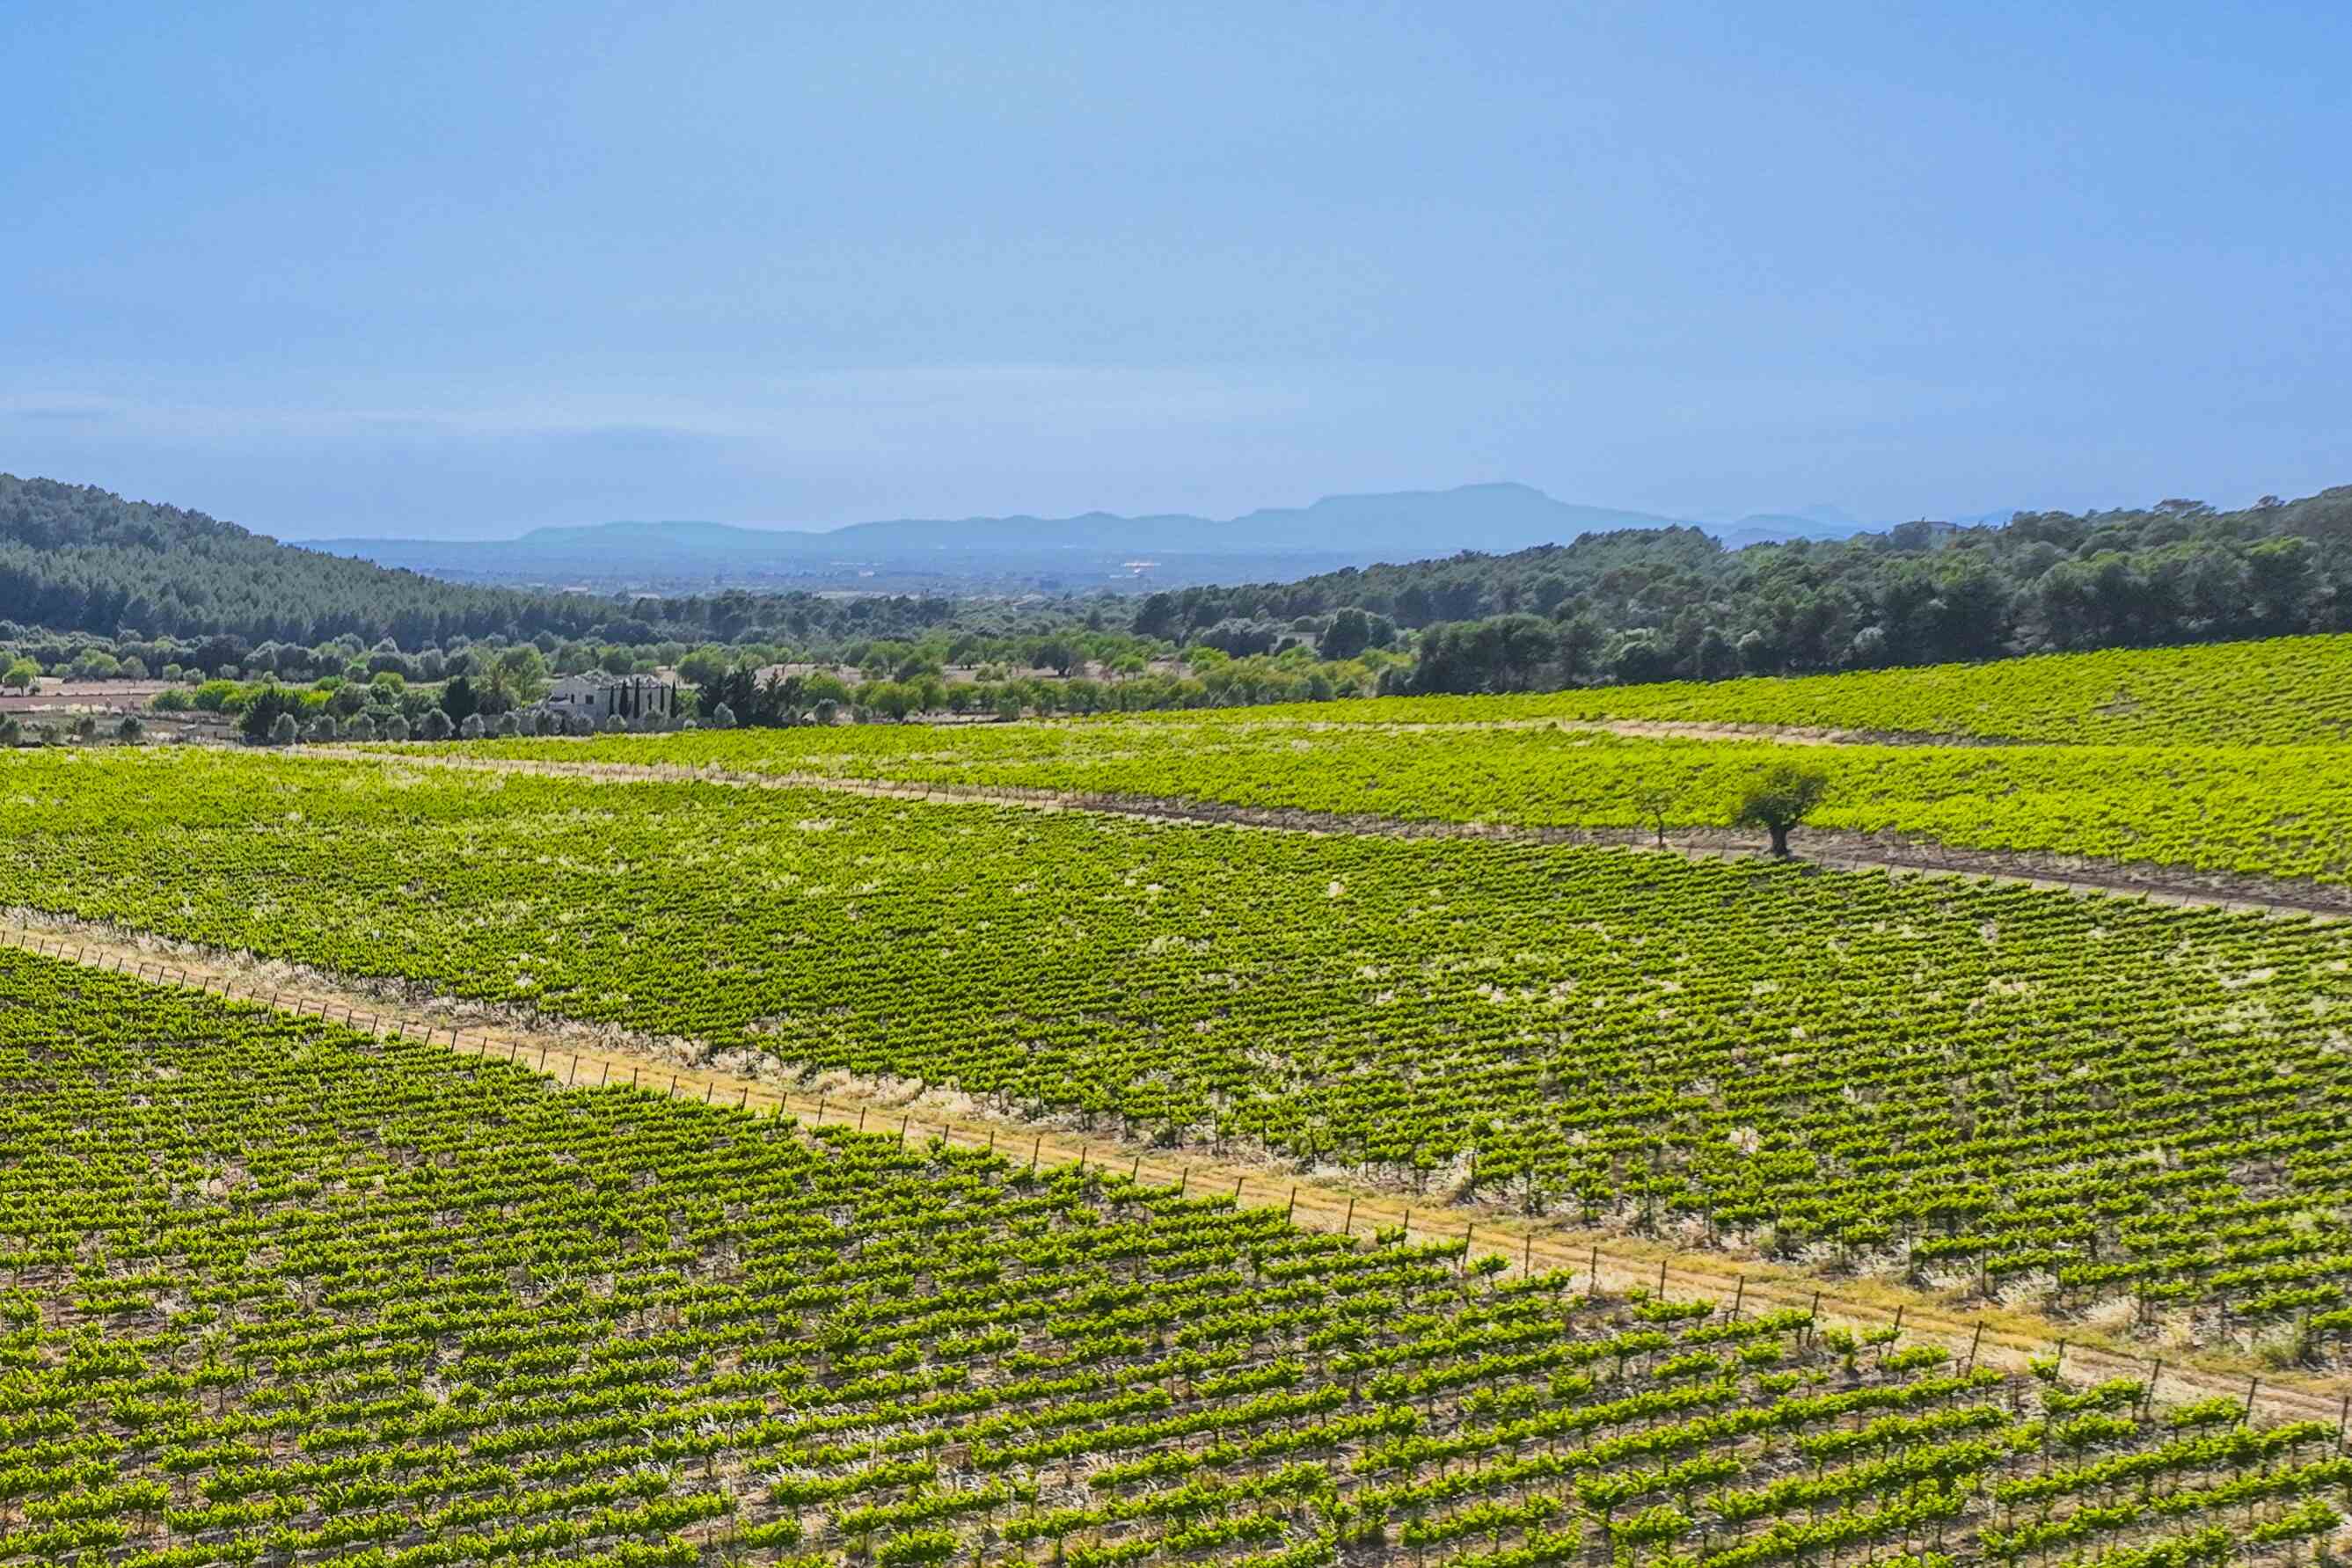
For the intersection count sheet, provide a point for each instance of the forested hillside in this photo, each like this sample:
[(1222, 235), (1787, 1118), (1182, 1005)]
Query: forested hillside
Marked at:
[(74, 558), (1634, 606), (1673, 603)]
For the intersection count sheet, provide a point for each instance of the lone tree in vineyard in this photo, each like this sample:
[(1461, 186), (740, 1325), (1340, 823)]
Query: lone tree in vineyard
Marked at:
[(1655, 801), (1778, 800)]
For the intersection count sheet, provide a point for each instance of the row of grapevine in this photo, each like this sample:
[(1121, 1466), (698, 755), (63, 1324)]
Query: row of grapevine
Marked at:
[(280, 1292), (2277, 811), (2284, 691), (2094, 1106)]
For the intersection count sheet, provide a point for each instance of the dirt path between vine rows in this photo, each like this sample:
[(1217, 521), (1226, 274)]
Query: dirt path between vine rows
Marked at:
[(1832, 849), (586, 1059)]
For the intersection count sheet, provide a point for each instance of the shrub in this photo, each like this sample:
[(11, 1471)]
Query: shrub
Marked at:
[(261, 710), (129, 731), (361, 727), (722, 717), (436, 725), (470, 727), (395, 729), (172, 699), (284, 730), (321, 729), (612, 723)]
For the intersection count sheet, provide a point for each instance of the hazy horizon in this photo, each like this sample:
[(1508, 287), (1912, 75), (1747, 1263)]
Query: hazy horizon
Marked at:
[(438, 272), (492, 535)]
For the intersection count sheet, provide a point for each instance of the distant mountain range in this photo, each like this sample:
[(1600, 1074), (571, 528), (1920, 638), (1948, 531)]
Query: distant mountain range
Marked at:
[(1096, 549), (1093, 550)]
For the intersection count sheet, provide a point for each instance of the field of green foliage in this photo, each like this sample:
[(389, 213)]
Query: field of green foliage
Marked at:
[(2225, 758), (2122, 1110), (2277, 811), (279, 1292), (2289, 691)]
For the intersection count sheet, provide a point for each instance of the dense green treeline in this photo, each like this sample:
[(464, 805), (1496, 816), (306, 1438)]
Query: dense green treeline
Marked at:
[(1672, 604), (1625, 608)]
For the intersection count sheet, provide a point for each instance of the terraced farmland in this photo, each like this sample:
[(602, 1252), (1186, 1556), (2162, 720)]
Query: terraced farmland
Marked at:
[(282, 1292)]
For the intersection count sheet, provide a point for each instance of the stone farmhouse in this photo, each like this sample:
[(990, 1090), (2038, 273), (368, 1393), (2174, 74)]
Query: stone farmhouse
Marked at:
[(598, 696)]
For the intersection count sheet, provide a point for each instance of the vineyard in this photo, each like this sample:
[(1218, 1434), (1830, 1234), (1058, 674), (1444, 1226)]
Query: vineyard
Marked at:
[(2291, 691), (2279, 812), (2221, 759), (2287, 691), (2129, 1114), (282, 1292)]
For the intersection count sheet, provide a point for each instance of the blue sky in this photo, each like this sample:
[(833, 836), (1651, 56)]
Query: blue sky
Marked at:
[(454, 270)]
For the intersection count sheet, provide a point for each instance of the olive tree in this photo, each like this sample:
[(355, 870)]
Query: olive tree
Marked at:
[(1655, 802), (1779, 799)]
